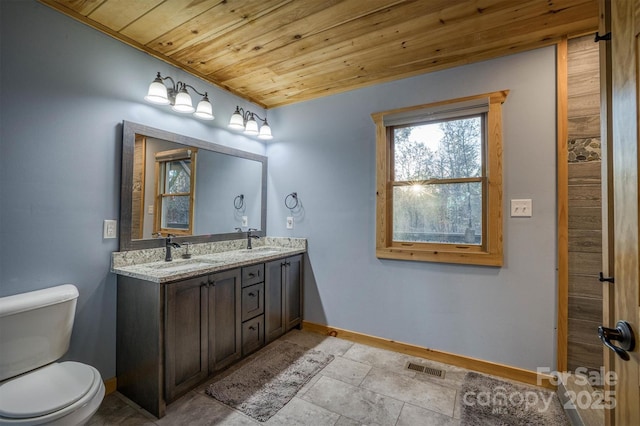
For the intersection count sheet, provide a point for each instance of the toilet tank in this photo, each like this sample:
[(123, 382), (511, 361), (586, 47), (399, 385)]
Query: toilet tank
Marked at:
[(35, 328)]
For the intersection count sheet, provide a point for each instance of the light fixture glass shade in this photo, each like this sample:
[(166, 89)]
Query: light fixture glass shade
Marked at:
[(204, 111), (236, 122), (251, 128), (183, 102), (157, 93), (265, 132)]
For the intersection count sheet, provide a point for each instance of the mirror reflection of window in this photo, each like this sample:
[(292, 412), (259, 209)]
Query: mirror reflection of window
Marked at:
[(175, 194)]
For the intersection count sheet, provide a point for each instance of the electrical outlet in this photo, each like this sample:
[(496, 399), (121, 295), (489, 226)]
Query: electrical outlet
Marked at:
[(150, 209), (245, 221), (521, 208), (109, 228), (289, 222)]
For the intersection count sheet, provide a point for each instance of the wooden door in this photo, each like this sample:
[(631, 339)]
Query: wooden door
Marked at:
[(624, 199), (225, 332)]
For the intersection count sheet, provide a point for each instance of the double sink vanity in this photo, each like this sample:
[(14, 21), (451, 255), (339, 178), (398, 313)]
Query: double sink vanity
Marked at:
[(182, 321)]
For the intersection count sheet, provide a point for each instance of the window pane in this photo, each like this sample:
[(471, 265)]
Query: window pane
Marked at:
[(178, 177), (444, 213), (444, 150), (175, 212)]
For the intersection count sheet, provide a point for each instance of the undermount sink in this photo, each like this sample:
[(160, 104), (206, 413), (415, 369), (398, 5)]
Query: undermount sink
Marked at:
[(180, 266), (262, 250)]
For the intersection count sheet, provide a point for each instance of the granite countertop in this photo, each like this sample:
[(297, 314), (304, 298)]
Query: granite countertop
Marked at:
[(149, 265)]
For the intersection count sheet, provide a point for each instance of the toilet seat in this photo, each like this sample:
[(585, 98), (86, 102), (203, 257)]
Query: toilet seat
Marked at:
[(49, 393)]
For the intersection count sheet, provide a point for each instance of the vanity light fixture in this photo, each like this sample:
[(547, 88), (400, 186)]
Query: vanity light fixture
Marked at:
[(246, 121), (178, 97)]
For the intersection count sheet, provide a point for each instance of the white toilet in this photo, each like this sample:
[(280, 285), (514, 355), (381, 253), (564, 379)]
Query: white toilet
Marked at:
[(35, 330)]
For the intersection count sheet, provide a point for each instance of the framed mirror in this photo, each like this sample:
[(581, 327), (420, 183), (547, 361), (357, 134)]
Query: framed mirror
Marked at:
[(197, 191)]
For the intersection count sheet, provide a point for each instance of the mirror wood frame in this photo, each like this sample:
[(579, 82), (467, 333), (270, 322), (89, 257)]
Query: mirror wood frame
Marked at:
[(129, 132)]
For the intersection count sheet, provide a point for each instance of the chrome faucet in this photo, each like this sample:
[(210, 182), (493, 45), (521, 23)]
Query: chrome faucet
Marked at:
[(250, 236), (168, 245)]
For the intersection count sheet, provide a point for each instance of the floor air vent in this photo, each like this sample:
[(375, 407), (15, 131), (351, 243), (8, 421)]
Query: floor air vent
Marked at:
[(435, 372)]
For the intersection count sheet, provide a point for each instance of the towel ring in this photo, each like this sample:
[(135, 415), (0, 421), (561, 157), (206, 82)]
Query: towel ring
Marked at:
[(291, 201), (238, 202)]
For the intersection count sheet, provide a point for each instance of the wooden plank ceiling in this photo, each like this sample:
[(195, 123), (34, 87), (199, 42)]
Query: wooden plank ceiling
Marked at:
[(277, 52)]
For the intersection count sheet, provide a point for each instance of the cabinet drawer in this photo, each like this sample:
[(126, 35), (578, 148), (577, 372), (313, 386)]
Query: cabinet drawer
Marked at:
[(252, 335), (252, 301), (252, 274)]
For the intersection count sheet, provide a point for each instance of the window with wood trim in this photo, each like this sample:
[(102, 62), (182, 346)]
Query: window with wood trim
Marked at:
[(175, 195), (439, 181)]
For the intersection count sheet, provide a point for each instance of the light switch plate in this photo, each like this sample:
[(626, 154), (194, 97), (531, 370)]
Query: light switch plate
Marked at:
[(245, 221), (150, 209), (109, 229), (289, 222), (521, 208)]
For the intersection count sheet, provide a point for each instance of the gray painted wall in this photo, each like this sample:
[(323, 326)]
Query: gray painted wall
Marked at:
[(65, 90), (220, 179), (325, 151)]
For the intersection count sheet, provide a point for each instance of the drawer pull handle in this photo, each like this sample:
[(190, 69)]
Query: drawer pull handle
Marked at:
[(251, 274), (252, 328), (252, 294)]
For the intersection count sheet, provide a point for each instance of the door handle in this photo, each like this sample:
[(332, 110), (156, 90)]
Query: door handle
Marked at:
[(603, 279), (622, 334)]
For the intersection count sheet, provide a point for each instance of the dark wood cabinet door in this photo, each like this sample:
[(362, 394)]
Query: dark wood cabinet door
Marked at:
[(293, 292), (252, 335), (252, 301), (274, 321), (186, 336), (140, 325), (252, 274), (225, 333)]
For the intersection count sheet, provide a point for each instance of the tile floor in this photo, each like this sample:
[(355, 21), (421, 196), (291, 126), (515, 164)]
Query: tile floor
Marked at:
[(361, 386)]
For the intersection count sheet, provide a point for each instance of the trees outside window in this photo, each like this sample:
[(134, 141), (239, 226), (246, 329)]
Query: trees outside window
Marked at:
[(439, 181), (438, 175), (175, 177)]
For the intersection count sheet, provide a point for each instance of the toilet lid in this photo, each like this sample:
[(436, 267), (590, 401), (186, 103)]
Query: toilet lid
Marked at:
[(45, 390)]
